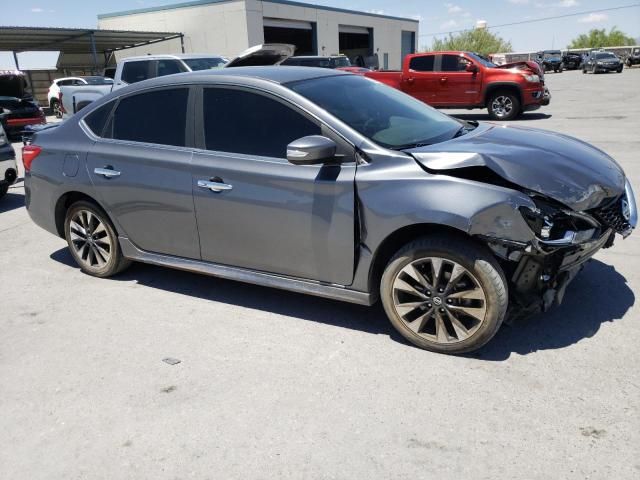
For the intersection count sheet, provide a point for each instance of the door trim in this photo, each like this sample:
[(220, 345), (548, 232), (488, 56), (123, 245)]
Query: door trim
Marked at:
[(309, 287)]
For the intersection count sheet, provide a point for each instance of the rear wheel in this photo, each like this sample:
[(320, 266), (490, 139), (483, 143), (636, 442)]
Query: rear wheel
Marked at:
[(56, 108), (3, 190), (445, 294), (93, 241), (503, 105)]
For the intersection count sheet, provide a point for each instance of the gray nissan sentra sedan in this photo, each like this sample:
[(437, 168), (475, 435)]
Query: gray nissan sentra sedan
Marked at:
[(330, 184)]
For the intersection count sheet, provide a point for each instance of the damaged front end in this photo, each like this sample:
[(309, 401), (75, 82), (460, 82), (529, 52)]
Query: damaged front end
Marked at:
[(541, 269)]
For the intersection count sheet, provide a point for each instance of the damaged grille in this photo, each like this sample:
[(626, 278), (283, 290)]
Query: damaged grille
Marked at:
[(611, 216)]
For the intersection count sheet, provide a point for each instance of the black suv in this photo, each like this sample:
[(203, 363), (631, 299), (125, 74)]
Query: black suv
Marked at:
[(572, 61), (602, 62)]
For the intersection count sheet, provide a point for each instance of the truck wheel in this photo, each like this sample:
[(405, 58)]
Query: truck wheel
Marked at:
[(56, 109), (93, 241), (445, 294), (503, 105)]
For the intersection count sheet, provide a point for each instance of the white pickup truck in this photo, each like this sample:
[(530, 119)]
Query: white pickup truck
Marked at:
[(136, 69)]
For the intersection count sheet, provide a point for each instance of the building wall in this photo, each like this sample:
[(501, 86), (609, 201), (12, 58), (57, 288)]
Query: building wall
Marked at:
[(231, 27), (216, 29)]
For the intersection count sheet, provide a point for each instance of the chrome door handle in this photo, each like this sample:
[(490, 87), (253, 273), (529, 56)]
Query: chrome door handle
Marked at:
[(106, 172), (214, 186)]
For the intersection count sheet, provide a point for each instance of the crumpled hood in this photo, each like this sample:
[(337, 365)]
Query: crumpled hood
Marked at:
[(558, 166)]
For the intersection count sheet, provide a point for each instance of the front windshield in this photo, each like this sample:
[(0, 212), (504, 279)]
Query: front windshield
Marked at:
[(605, 55), (98, 80), (206, 63), (483, 60), (383, 114), (341, 62), (552, 55)]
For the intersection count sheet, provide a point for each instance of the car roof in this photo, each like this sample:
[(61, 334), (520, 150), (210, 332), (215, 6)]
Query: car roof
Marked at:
[(314, 57), (274, 74), (178, 56)]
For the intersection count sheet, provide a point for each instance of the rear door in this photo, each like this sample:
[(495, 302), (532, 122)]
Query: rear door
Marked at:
[(272, 216), (420, 80), (140, 169), (456, 86)]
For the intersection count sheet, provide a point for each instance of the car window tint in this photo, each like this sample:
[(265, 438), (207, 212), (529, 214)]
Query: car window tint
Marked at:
[(169, 67), (453, 63), (237, 121), (97, 119), (422, 64), (133, 72), (153, 117)]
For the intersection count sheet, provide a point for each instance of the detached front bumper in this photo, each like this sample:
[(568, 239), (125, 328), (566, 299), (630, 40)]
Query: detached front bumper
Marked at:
[(536, 98)]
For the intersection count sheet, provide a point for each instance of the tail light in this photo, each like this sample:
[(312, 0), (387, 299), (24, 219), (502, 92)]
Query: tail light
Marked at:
[(29, 154)]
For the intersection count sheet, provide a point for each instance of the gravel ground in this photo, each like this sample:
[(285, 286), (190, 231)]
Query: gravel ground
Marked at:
[(279, 385)]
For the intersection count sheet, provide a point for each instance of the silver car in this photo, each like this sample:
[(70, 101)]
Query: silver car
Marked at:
[(334, 185)]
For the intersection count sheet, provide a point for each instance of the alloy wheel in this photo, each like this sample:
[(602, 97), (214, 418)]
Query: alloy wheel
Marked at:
[(502, 106), (90, 239), (439, 300)]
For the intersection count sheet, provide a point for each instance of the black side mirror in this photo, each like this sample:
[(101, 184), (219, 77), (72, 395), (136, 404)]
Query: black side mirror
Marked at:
[(311, 150), (472, 68)]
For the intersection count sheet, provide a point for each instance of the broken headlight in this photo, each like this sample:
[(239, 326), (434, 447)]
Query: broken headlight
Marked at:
[(555, 225)]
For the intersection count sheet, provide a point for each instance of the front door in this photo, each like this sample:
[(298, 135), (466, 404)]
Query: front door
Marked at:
[(456, 86), (266, 214), (141, 172)]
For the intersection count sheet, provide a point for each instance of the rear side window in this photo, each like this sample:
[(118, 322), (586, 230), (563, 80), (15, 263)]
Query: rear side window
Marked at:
[(97, 119), (153, 117), (422, 64), (237, 121), (133, 72)]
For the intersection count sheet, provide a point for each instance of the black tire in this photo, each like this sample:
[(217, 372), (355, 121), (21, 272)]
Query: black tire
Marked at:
[(514, 100), (105, 266), (478, 261), (3, 190), (619, 70), (55, 108)]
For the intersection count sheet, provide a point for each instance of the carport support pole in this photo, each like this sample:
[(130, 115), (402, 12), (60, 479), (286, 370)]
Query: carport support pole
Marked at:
[(94, 53), (182, 42), (15, 59)]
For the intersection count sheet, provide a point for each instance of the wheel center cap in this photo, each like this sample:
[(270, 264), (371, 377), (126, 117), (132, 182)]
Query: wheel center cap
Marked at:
[(437, 301)]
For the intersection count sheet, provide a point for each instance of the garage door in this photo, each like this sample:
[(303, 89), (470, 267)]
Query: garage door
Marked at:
[(356, 43), (298, 33)]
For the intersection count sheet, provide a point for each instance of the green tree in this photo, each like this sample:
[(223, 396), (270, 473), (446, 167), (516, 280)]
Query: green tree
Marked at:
[(597, 38), (479, 40)]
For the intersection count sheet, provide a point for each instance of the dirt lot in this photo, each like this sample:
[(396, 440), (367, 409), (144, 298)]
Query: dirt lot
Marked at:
[(279, 385)]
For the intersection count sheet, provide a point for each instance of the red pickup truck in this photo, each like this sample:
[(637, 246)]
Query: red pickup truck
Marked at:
[(466, 80)]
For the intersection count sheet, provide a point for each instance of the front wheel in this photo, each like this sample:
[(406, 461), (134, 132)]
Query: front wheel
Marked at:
[(504, 106), (445, 294), (619, 70), (93, 241), (3, 190)]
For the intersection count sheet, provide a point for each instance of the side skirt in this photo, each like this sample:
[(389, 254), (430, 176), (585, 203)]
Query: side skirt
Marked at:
[(335, 292)]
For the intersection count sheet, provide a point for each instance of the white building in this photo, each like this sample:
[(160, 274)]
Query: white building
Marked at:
[(228, 27)]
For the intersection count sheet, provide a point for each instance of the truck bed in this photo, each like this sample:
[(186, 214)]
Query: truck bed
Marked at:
[(393, 78)]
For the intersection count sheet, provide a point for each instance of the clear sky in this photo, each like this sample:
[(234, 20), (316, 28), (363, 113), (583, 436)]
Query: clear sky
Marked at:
[(435, 16)]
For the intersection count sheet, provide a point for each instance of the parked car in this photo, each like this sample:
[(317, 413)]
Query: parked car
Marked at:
[(17, 107), (330, 184), (8, 166), (53, 95), (550, 60), (467, 80), (633, 58), (599, 61), (333, 61), (572, 61), (136, 69)]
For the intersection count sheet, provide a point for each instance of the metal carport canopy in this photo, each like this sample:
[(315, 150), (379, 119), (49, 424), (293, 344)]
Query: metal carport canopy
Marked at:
[(78, 40)]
